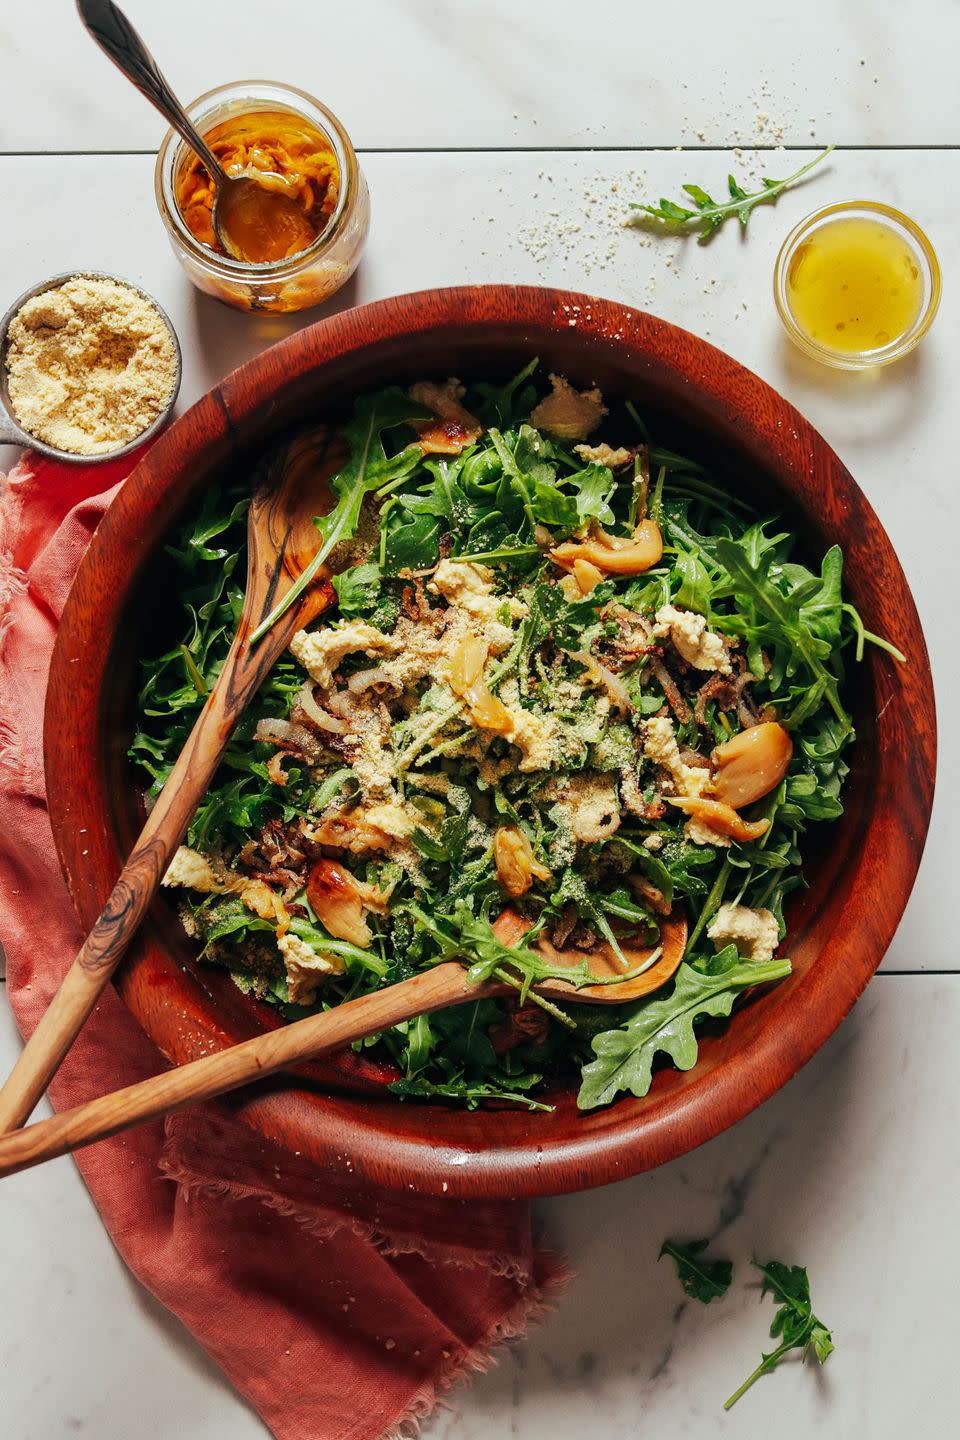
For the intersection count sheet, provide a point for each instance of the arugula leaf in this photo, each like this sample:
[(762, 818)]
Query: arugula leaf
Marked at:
[(710, 214), (701, 1279), (413, 544), (469, 1092), (368, 469), (358, 588), (822, 612), (664, 1024), (794, 1321), (783, 617)]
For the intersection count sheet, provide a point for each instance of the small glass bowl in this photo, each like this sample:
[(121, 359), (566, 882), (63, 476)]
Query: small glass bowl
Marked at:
[(301, 280), (929, 269)]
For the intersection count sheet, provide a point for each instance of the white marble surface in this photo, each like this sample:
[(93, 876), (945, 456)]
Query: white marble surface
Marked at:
[(434, 73), (853, 1168)]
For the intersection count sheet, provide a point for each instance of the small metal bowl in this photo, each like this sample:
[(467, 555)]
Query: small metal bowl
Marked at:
[(13, 433)]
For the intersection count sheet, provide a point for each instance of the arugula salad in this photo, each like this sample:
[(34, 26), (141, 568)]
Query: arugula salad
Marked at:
[(571, 685)]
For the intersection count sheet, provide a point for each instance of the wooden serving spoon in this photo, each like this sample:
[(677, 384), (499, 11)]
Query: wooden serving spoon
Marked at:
[(281, 540), (437, 989)]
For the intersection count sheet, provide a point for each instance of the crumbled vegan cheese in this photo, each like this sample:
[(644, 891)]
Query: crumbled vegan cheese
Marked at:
[(192, 871), (321, 651), (567, 413), (660, 746), (700, 833), (653, 842), (700, 647), (393, 818), (91, 364), (306, 970), (604, 454), (754, 932), (469, 586), (534, 735)]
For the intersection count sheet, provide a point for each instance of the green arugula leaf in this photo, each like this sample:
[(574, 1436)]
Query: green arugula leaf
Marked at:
[(751, 577), (358, 588), (664, 1024), (823, 611), (795, 1322), (710, 214), (468, 1092), (701, 1279), (414, 544)]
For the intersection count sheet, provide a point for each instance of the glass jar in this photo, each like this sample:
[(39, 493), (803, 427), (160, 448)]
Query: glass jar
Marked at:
[(298, 281)]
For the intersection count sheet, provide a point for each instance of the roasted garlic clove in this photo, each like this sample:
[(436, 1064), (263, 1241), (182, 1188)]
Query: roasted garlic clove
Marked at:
[(466, 680), (517, 867), (339, 900), (467, 664), (613, 555), (751, 764), (720, 817)]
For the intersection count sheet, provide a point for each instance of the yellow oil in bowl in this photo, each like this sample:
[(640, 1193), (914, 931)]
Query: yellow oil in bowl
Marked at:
[(857, 285)]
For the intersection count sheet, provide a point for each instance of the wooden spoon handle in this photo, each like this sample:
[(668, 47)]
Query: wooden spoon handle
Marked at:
[(435, 989), (280, 539), (139, 879)]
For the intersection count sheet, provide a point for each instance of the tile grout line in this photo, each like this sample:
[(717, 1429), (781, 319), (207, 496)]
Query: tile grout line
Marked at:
[(745, 149)]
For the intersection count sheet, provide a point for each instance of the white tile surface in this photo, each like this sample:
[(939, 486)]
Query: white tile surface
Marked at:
[(853, 1168), (433, 73)]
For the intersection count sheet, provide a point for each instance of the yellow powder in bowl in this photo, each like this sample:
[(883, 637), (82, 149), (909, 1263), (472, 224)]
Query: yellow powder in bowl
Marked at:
[(90, 365)]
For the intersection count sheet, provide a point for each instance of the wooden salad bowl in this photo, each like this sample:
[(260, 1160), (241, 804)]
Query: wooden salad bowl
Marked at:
[(860, 870)]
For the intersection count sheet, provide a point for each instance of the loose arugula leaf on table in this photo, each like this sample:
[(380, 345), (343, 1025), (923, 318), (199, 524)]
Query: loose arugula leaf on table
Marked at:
[(664, 1024), (710, 214), (794, 1321), (369, 468), (701, 1279)]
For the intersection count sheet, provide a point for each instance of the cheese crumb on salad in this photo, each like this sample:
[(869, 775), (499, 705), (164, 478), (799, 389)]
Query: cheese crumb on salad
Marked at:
[(192, 871), (470, 587), (305, 969), (660, 746), (604, 454), (700, 647), (321, 652), (567, 413), (755, 933)]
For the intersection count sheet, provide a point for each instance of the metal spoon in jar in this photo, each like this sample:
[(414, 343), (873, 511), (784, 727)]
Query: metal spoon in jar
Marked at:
[(247, 215)]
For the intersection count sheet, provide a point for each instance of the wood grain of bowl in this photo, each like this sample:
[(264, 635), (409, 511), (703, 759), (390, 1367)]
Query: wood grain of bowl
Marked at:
[(861, 870)]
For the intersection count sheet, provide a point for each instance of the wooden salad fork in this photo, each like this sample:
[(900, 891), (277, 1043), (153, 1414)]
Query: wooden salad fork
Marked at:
[(281, 539), (445, 985)]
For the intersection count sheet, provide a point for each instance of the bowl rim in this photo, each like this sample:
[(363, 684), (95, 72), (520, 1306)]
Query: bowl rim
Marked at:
[(631, 1135)]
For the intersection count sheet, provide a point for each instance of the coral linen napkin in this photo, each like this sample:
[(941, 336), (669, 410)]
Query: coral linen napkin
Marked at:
[(330, 1310)]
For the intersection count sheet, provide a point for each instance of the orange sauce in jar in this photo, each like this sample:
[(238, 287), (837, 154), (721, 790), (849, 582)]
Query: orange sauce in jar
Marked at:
[(297, 191)]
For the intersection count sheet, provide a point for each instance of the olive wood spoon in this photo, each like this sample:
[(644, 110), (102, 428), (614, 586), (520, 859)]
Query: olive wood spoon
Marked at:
[(281, 540), (437, 989)]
